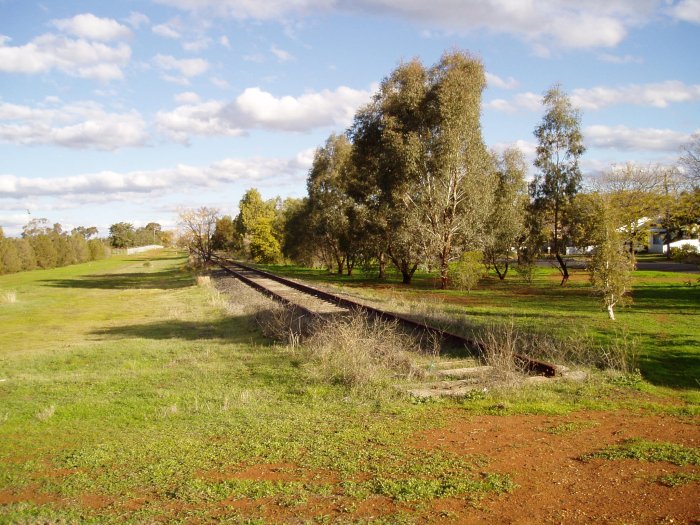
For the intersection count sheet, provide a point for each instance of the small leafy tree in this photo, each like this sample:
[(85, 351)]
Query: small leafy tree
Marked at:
[(559, 146), (611, 264), (465, 273)]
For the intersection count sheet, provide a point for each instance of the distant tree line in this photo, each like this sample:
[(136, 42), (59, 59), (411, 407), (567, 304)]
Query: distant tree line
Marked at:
[(43, 246)]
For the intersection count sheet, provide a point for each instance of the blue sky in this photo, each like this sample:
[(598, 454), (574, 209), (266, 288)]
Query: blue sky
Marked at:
[(131, 110)]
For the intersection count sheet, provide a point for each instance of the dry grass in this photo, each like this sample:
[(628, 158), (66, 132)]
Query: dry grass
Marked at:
[(8, 297), (359, 352)]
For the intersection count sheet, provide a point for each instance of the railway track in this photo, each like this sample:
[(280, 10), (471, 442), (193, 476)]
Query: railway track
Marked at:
[(314, 302)]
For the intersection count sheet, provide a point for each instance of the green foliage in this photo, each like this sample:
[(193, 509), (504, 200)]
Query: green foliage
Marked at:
[(679, 479), (122, 235), (559, 146), (44, 250), (686, 253), (263, 246), (644, 450), (466, 273), (225, 235), (10, 261)]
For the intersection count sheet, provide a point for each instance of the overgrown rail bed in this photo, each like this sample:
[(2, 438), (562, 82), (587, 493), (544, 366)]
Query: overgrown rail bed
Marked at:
[(319, 303)]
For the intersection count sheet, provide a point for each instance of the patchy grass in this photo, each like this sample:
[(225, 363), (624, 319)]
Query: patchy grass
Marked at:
[(643, 450)]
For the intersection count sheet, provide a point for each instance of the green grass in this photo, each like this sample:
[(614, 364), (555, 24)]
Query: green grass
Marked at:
[(123, 380), (663, 321), (644, 450)]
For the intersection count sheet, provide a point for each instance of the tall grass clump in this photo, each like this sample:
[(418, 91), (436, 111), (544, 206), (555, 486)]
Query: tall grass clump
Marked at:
[(361, 353), (8, 297)]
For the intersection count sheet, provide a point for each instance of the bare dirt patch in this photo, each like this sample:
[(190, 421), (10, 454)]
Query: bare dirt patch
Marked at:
[(542, 455)]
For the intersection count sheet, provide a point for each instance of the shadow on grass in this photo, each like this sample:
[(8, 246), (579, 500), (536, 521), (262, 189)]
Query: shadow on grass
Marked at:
[(671, 369), (164, 280), (230, 329), (667, 298)]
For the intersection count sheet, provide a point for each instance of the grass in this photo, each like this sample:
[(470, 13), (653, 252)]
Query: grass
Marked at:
[(128, 395), (644, 450), (663, 321)]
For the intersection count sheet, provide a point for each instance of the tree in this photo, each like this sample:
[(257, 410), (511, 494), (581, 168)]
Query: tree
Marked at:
[(26, 254), (199, 226), (255, 218), (10, 261), (559, 146), (611, 265), (87, 233), (264, 246), (45, 251), (506, 222), (122, 235), (454, 191), (225, 235), (329, 202), (633, 192), (690, 161), (36, 227), (420, 144)]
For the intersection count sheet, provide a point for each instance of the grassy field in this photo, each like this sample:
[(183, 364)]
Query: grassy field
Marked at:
[(128, 395)]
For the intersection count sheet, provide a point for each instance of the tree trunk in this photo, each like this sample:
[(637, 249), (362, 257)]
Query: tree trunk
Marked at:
[(350, 264), (611, 312), (563, 269), (382, 266), (502, 275)]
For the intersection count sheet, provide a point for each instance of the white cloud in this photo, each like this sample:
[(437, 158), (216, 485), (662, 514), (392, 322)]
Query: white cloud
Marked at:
[(166, 31), (634, 139), (687, 11), (543, 24), (220, 82), (496, 81), (94, 60), (188, 97), (624, 59), (281, 54), (657, 95), (224, 41), (136, 19), (255, 108), (91, 27), (203, 118), (148, 182), (195, 46), (187, 67), (80, 125), (527, 101)]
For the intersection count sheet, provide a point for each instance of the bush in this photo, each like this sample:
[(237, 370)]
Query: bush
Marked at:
[(465, 273), (686, 254)]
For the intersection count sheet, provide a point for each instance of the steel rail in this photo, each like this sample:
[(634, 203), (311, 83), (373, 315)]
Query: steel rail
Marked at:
[(532, 365)]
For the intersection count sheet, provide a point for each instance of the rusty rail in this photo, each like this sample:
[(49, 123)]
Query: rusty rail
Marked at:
[(532, 365)]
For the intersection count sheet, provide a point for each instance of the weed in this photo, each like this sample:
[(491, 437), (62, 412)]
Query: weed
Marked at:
[(678, 479), (570, 427), (8, 297), (643, 450), (46, 413), (203, 280)]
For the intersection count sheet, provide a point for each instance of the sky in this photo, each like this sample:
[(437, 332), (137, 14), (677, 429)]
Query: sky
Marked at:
[(134, 109)]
